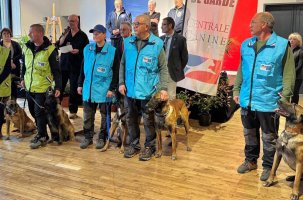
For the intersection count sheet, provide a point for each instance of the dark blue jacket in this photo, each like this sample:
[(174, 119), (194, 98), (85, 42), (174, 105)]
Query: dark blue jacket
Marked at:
[(113, 22)]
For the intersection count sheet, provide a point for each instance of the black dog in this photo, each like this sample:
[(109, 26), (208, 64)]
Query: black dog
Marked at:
[(59, 124)]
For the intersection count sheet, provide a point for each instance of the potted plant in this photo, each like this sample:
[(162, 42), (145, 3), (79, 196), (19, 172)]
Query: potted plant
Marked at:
[(204, 104)]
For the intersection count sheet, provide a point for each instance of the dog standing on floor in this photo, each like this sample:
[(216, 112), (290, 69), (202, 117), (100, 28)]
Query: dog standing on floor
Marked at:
[(166, 115), (59, 124), (290, 145), (15, 114), (118, 123)]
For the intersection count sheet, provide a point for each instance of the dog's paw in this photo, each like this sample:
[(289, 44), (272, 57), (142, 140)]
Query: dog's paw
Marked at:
[(294, 197), (188, 149), (103, 149), (174, 157), (158, 155), (268, 183)]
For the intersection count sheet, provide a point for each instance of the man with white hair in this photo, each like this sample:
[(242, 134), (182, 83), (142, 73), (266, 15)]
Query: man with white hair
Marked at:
[(115, 18), (154, 17), (177, 13), (265, 76)]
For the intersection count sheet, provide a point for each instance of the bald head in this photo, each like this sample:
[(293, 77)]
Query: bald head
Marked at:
[(73, 21), (144, 19)]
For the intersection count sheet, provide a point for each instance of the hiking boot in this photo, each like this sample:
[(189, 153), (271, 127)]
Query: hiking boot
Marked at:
[(100, 144), (37, 136), (72, 115), (37, 142), (246, 167), (146, 154), (85, 143), (265, 174), (130, 152)]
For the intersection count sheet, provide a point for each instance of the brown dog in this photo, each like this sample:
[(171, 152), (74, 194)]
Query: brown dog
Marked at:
[(167, 113), (119, 124), (290, 145), (18, 116), (59, 124)]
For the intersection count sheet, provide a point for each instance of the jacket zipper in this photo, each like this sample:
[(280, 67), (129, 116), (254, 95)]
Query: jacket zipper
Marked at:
[(91, 80), (252, 74)]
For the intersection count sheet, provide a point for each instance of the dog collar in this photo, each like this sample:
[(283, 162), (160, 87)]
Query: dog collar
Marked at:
[(286, 136)]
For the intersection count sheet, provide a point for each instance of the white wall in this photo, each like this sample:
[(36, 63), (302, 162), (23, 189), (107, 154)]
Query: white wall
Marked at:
[(92, 12)]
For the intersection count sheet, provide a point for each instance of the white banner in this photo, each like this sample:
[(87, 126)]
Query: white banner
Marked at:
[(207, 32)]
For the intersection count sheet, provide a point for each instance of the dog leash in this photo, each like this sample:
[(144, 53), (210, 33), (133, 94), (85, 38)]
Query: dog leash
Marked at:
[(28, 95), (108, 120)]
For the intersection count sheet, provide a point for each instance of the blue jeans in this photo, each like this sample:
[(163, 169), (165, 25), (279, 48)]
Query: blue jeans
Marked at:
[(135, 107), (89, 111)]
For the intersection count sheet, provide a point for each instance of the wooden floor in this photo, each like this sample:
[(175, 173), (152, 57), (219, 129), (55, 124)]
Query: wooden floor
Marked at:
[(207, 172)]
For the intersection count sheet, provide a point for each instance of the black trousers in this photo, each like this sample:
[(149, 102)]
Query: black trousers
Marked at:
[(74, 98), (252, 122), (295, 97), (36, 108), (89, 111), (3, 101)]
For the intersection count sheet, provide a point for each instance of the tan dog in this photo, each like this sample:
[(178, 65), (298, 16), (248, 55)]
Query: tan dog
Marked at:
[(59, 124), (290, 145), (119, 124), (18, 116), (167, 113)]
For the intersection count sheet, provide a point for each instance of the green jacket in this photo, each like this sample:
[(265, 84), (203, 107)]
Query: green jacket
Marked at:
[(5, 86), (38, 75)]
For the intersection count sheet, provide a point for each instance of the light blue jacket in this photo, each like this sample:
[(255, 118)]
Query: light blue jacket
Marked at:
[(98, 72), (262, 73), (141, 67)]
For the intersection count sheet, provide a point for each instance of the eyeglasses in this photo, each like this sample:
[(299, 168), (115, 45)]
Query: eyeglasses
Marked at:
[(136, 24)]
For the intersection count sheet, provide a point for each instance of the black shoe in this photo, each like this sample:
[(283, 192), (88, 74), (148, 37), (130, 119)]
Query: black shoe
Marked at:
[(130, 152), (85, 143), (146, 154), (37, 136), (38, 142), (100, 144), (292, 178)]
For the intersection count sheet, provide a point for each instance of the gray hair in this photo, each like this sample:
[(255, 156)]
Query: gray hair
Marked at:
[(128, 24), (152, 2), (146, 19), (296, 36), (268, 18)]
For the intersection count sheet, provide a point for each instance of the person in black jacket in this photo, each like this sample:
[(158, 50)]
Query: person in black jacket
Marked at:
[(295, 40), (114, 20), (16, 55), (176, 54), (70, 63)]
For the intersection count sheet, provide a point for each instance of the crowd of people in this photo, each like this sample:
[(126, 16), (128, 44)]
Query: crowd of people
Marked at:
[(140, 64)]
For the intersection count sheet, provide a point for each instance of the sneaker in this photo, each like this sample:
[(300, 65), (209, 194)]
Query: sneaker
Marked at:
[(100, 144), (38, 142), (130, 152), (246, 167), (85, 143), (146, 154), (72, 115), (265, 174), (37, 137)]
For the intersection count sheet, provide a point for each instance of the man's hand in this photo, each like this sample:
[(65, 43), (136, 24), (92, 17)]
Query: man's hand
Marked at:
[(22, 84), (122, 89), (116, 31), (109, 94), (57, 93), (155, 20), (75, 51), (164, 95), (236, 99), (79, 90), (13, 65)]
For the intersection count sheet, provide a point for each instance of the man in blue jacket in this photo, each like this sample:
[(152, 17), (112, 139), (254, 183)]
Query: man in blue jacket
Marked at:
[(267, 68), (115, 18), (97, 82), (143, 72)]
